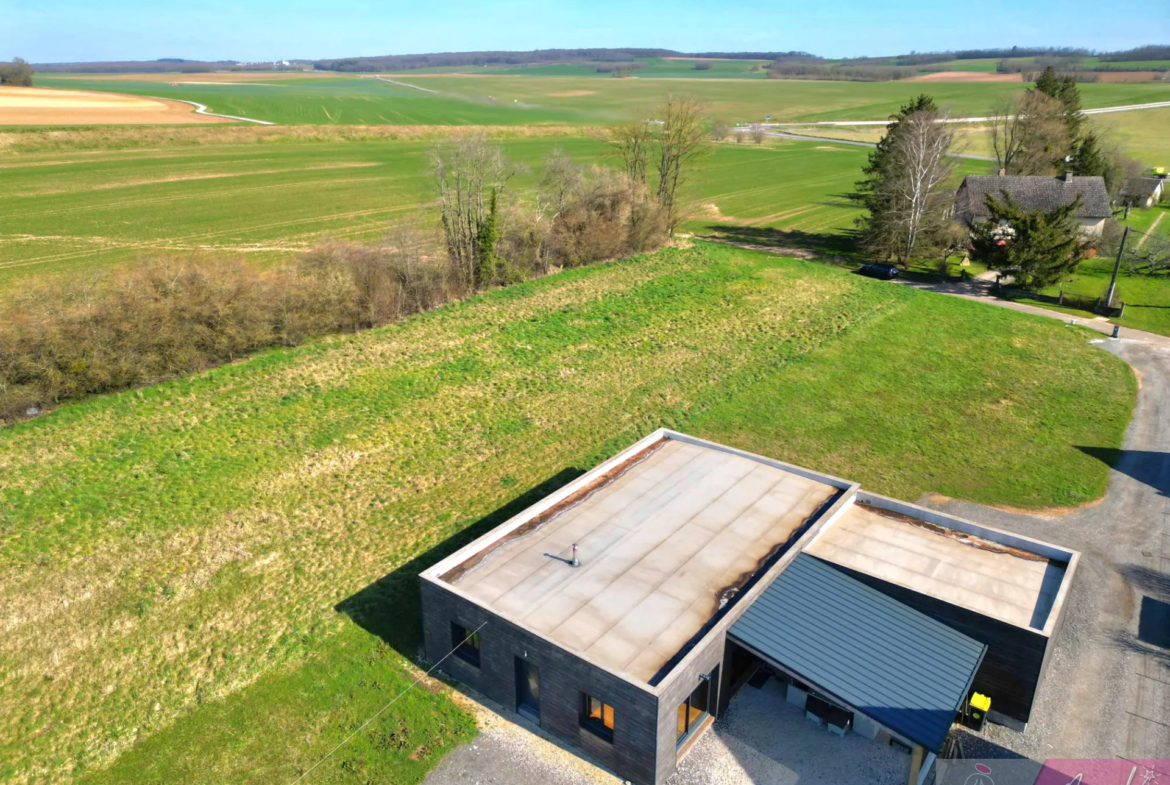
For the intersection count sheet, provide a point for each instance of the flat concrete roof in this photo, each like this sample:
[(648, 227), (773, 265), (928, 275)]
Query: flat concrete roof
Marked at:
[(668, 533), (1002, 581)]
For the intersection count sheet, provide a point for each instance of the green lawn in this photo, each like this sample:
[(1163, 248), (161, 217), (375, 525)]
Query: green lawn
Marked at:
[(213, 580), (520, 97), (270, 200), (1146, 297)]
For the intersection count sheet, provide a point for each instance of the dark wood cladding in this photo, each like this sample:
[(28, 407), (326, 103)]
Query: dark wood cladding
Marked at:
[(563, 676), (1015, 659)]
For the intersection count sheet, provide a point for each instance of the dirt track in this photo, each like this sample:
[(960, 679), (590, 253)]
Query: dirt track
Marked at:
[(967, 76), (40, 106)]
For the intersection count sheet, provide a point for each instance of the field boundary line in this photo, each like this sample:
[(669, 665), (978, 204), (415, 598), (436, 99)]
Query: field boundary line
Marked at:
[(201, 109), (404, 84)]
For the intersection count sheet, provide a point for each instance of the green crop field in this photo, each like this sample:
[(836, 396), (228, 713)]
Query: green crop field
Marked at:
[(214, 579), (516, 99), (81, 210)]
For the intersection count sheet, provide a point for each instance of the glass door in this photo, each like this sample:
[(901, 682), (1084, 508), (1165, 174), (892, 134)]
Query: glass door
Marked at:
[(527, 689)]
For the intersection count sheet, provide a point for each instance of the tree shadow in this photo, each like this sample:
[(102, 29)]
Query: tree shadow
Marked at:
[(1148, 581), (1146, 466), (840, 244), (390, 607)]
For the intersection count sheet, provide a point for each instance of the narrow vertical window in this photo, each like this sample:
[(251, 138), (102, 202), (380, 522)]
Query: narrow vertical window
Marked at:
[(465, 642)]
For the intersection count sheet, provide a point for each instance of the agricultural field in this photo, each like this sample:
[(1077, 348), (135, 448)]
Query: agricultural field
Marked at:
[(252, 192), (196, 574), (518, 99)]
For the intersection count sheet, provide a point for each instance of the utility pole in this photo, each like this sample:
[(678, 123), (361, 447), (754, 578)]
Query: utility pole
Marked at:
[(1116, 267)]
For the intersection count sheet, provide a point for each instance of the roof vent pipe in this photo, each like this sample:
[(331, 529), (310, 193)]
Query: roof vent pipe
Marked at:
[(574, 562)]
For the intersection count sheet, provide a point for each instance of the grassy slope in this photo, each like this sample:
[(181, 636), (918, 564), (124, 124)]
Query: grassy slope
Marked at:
[(270, 200), (522, 99), (171, 558)]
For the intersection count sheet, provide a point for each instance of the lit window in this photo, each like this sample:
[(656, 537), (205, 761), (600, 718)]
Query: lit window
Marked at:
[(597, 717), (465, 643), (695, 708)]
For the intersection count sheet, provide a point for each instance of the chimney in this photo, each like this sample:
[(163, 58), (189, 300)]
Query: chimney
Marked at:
[(1068, 177), (1003, 172)]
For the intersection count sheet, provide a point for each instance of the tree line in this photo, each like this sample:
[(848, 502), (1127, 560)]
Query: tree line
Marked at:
[(18, 73), (167, 316)]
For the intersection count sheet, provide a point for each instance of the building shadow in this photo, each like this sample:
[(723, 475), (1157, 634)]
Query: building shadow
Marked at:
[(390, 607), (831, 247), (1150, 582), (1149, 467)]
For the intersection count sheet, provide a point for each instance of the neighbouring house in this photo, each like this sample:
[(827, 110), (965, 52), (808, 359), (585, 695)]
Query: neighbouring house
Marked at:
[(623, 612), (1034, 194), (1141, 191)]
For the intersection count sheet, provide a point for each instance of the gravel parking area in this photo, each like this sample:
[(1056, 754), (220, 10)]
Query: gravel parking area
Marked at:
[(763, 739)]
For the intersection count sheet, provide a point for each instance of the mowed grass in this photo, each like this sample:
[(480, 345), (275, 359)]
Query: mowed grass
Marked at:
[(69, 212), (214, 579), (1146, 297), (526, 97)]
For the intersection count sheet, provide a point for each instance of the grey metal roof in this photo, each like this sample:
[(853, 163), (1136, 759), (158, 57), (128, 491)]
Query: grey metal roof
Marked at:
[(1033, 194), (892, 663)]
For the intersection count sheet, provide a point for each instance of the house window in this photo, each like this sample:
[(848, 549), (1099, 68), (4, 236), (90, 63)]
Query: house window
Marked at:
[(695, 708), (597, 717), (465, 642)]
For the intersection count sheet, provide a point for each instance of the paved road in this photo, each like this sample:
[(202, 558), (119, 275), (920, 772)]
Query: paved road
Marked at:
[(1101, 110), (808, 138)]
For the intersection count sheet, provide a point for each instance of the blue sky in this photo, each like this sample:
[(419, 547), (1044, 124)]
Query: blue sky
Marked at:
[(80, 30)]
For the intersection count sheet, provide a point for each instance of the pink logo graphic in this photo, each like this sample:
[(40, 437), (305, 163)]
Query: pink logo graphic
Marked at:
[(1114, 771)]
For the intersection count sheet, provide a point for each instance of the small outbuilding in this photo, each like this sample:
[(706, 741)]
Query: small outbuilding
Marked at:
[(623, 612), (1035, 194), (1141, 191)]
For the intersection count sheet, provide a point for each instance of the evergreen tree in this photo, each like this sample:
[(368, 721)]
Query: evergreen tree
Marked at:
[(1064, 90), (1038, 248), (1092, 158), (871, 192), (486, 262)]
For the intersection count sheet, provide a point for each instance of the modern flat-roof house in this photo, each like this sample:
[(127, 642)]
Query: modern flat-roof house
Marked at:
[(623, 612), (1036, 193)]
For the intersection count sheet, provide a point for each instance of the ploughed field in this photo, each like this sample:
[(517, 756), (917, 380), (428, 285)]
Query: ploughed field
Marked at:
[(214, 579), (265, 194), (526, 97)]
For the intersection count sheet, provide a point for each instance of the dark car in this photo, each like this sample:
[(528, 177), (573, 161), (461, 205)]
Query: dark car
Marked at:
[(879, 270)]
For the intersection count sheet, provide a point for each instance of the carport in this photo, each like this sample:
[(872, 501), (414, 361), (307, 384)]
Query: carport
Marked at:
[(879, 664)]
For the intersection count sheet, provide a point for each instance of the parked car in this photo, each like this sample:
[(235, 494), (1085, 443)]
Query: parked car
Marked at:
[(879, 270)]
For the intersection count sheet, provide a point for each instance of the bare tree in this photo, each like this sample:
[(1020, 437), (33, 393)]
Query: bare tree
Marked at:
[(631, 144), (718, 130), (467, 172), (915, 187), (1029, 133), (758, 134), (562, 176), (681, 136)]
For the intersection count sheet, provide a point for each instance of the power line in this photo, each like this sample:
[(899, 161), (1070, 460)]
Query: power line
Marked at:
[(388, 705)]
